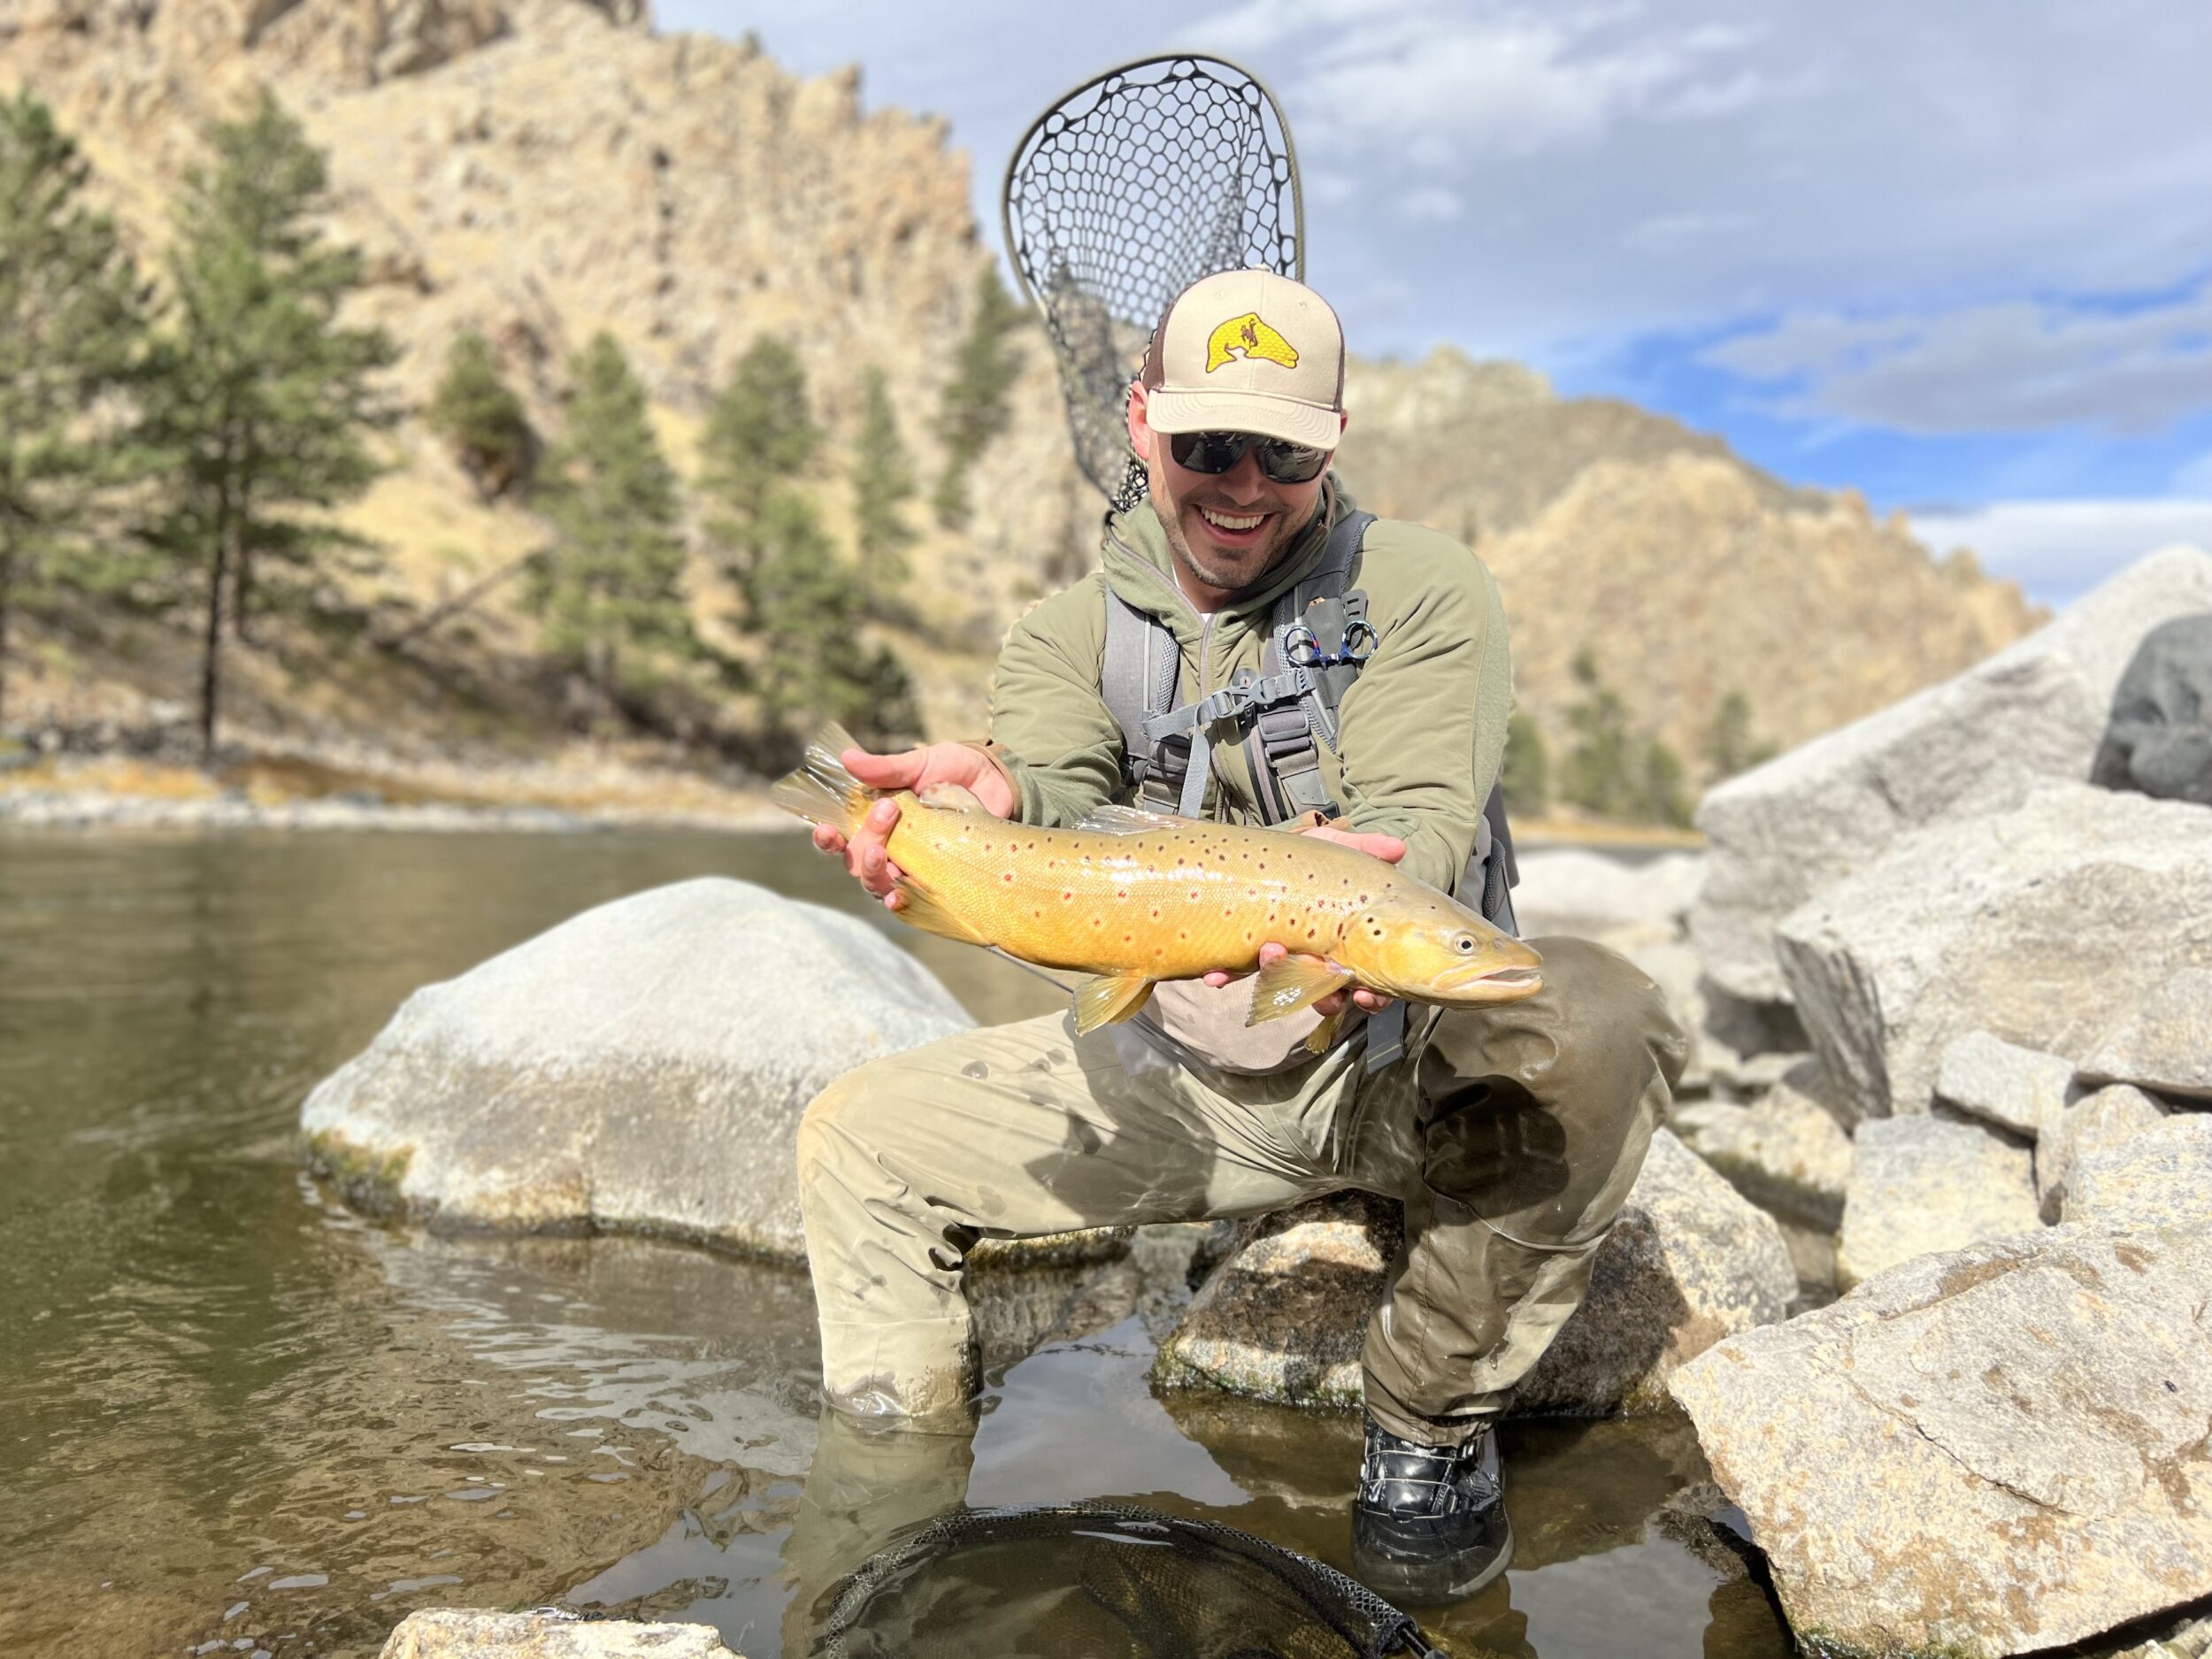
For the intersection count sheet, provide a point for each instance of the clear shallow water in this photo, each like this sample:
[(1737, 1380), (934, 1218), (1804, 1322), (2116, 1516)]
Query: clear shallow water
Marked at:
[(231, 1412)]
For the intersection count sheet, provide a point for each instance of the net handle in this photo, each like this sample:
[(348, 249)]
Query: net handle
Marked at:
[(1059, 104)]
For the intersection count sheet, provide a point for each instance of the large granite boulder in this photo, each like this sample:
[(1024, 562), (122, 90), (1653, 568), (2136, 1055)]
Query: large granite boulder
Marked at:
[(1688, 1260), (1784, 1152), (643, 1066), (2159, 1177), (2034, 713), (1925, 1184), (2095, 1124), (1573, 890), (2164, 1043), (2047, 925), (2160, 741), (1995, 1451)]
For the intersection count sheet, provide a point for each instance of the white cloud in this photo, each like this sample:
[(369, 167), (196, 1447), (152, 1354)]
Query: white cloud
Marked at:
[(2018, 366), (2058, 550)]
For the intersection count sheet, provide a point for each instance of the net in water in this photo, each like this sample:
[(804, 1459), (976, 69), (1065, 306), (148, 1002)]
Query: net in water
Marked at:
[(1104, 1583)]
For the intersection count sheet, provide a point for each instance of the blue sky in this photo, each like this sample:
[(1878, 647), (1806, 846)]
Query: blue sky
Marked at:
[(1956, 256)]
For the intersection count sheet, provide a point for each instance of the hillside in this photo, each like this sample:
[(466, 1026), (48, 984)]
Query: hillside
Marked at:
[(538, 170)]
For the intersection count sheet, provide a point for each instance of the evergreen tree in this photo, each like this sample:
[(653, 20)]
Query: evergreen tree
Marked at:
[(473, 411), (71, 331), (975, 398), (264, 400), (1662, 795), (883, 481), (804, 603), (611, 583), (760, 434), (1600, 772), (1527, 767), (1728, 746)]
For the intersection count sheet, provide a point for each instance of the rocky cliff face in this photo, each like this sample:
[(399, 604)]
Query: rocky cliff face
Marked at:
[(538, 170)]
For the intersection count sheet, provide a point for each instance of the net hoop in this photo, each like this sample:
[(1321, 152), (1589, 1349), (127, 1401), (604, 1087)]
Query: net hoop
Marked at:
[(1124, 192)]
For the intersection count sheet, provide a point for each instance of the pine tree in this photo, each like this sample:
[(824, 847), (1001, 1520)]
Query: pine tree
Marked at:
[(1728, 746), (760, 434), (883, 481), (1527, 767), (72, 333), (975, 408), (263, 398), (803, 599), (611, 585), (1662, 791), (473, 411), (1600, 772)]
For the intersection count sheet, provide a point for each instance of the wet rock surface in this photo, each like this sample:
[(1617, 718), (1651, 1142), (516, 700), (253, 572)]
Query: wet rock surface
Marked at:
[(630, 1069), (2047, 925), (1986, 1452), (1922, 1184)]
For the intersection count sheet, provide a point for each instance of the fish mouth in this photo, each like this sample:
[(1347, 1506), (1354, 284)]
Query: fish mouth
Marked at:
[(1506, 981)]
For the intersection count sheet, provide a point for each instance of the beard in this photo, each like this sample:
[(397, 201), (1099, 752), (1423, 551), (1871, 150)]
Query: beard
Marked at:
[(1231, 570)]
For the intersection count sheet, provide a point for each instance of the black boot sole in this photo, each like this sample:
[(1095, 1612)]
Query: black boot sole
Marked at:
[(1411, 1568)]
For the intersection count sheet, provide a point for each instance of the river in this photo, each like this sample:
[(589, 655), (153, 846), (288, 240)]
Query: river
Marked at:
[(234, 1415)]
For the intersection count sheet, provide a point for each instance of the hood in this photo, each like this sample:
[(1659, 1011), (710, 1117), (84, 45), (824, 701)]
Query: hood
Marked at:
[(1140, 569)]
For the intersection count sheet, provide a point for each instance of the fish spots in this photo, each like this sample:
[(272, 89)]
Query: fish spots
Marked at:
[(1155, 912), (1193, 895), (1006, 875), (1121, 893), (1098, 921), (1067, 895), (975, 1069)]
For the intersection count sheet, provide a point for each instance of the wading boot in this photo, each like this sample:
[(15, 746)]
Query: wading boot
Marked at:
[(1429, 1523)]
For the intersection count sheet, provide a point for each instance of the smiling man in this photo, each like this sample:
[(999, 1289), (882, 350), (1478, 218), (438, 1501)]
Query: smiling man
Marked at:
[(1511, 1134)]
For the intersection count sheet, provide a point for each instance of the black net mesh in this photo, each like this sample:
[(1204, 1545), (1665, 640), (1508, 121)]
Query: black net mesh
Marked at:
[(1123, 193), (1107, 1583)]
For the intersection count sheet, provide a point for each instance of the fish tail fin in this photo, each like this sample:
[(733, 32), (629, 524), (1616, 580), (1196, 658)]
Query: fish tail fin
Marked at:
[(821, 791)]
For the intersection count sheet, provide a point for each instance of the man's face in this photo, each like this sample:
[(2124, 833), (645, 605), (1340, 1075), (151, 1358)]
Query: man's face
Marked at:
[(1227, 530)]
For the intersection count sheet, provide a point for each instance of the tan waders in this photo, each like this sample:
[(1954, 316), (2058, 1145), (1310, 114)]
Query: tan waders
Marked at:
[(1511, 1134)]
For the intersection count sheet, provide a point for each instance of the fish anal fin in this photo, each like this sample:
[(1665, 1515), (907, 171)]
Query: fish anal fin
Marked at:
[(920, 907), (1131, 820), (1290, 983), (1107, 998), (1322, 1036), (949, 797)]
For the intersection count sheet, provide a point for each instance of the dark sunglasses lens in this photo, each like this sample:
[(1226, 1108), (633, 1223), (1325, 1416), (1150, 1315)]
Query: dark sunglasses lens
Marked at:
[(1215, 452)]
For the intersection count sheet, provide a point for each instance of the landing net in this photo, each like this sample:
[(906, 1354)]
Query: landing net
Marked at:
[(1120, 196)]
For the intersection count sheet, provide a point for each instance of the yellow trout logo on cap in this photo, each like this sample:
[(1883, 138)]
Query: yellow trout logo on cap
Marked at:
[(1247, 337)]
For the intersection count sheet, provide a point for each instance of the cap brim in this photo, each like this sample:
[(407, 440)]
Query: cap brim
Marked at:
[(1291, 420)]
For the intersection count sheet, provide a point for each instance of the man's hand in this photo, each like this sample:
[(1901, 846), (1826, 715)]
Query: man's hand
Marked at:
[(1389, 849), (866, 860)]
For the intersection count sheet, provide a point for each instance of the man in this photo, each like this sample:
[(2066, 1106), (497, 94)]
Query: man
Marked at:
[(1512, 1133)]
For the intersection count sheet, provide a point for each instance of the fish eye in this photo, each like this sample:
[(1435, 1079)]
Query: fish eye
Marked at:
[(1464, 942)]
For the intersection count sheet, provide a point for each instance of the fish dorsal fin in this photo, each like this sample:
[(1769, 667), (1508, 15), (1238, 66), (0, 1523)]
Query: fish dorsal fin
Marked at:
[(949, 797), (1131, 820)]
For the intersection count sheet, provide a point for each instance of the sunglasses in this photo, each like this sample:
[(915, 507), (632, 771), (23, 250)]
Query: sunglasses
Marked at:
[(1215, 452)]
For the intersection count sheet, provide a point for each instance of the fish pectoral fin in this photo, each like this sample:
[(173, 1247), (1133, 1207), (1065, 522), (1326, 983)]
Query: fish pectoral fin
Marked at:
[(1290, 983), (1319, 1040), (949, 797), (923, 909), (1131, 820), (1107, 998)]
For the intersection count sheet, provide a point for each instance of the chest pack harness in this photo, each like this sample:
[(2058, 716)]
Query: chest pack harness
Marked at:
[(1318, 639)]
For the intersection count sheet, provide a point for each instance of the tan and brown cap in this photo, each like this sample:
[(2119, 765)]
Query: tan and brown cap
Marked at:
[(1248, 351)]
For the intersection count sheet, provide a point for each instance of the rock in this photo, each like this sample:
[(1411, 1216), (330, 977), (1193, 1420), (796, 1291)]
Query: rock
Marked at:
[(2108, 1118), (1784, 832), (1989, 1452), (2016, 1088), (453, 1633), (1570, 890), (2045, 925), (2190, 1638), (2159, 1177), (2164, 1043), (1784, 1152), (1687, 1261), (627, 1070), (1923, 1184), (2160, 741)]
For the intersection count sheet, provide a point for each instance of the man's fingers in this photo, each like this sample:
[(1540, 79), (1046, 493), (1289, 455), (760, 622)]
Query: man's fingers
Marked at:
[(901, 771)]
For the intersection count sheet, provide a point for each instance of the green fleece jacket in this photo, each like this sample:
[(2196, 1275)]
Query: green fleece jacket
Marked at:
[(1422, 728)]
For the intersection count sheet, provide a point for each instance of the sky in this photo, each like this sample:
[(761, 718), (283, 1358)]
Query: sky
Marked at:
[(1956, 256)]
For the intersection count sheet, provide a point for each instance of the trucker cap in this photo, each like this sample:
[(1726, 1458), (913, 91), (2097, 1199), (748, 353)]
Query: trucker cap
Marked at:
[(1248, 351)]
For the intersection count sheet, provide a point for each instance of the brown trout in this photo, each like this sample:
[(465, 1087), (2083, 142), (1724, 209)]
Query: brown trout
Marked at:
[(1131, 897)]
